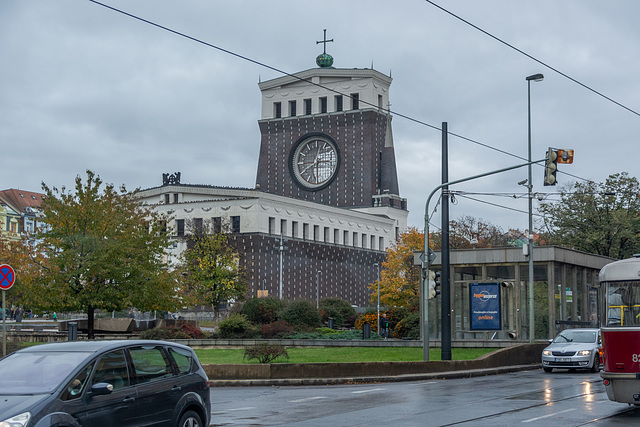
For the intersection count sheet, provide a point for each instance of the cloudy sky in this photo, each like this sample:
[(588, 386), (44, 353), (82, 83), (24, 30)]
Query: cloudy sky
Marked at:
[(85, 87)]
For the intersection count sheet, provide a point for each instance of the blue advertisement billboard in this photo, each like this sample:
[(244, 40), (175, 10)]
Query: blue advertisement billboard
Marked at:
[(484, 306)]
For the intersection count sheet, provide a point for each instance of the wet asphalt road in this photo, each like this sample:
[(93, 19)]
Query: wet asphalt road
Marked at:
[(528, 398)]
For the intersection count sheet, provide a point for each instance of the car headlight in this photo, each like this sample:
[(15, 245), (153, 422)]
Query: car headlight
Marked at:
[(17, 421), (584, 353), (546, 353)]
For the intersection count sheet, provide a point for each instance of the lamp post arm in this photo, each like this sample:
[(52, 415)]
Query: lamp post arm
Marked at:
[(458, 181), (426, 261)]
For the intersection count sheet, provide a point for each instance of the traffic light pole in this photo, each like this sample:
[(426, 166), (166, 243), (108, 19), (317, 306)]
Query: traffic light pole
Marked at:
[(426, 262)]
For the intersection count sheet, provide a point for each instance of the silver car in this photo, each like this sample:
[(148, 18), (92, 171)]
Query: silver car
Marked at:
[(573, 349)]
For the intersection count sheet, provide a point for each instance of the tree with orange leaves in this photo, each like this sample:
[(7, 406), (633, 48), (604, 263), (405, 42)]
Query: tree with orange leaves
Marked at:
[(399, 277)]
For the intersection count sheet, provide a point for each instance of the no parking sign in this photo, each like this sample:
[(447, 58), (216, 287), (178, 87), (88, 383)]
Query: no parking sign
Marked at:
[(7, 277)]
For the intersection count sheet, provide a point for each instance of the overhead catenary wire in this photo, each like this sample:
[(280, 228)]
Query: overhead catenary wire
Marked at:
[(388, 110), (544, 64)]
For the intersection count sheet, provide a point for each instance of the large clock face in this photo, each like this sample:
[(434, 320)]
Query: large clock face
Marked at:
[(314, 162)]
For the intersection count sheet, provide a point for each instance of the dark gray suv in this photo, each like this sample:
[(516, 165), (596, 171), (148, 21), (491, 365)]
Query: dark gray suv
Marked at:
[(104, 383)]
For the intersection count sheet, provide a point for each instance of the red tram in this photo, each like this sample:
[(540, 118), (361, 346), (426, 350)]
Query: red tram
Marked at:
[(620, 281)]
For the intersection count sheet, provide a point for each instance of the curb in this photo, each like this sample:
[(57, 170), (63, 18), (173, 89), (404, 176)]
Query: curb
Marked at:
[(373, 379)]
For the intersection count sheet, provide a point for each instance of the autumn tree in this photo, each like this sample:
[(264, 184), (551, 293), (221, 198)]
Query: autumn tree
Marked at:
[(212, 270), (16, 254), (598, 218), (400, 278), (468, 232), (100, 249)]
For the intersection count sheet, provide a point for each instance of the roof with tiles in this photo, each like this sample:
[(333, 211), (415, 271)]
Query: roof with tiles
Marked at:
[(19, 200)]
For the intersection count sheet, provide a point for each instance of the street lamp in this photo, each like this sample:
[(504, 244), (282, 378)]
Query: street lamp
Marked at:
[(318, 290), (377, 264), (536, 78)]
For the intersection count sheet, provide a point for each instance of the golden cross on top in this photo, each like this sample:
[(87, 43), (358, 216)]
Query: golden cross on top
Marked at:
[(325, 41)]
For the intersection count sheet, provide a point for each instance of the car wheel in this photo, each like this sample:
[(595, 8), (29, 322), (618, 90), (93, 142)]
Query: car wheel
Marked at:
[(190, 419), (546, 369), (596, 364)]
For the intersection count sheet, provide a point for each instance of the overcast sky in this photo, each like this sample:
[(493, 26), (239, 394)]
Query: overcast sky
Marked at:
[(84, 87)]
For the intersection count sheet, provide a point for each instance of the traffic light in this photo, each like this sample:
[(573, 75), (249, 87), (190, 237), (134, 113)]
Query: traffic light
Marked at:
[(434, 284), (551, 167), (565, 156)]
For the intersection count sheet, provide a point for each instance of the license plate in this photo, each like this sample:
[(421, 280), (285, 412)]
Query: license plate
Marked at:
[(563, 359)]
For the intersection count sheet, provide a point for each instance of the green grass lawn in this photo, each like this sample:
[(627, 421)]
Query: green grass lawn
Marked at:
[(341, 354)]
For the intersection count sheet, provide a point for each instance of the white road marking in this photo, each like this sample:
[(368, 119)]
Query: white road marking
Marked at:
[(367, 391), (232, 410), (547, 416), (308, 399)]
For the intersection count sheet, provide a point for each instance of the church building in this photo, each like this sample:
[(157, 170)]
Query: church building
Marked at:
[(326, 204)]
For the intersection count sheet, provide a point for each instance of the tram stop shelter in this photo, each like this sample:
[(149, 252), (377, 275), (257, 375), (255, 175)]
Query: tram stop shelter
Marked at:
[(566, 292)]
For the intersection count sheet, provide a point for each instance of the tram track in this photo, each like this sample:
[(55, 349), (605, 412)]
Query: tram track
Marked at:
[(549, 402)]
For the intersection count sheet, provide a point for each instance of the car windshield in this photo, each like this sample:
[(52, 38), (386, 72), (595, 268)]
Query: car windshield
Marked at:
[(37, 372), (572, 335)]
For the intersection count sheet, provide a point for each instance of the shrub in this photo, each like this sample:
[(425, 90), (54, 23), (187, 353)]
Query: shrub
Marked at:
[(237, 326), (370, 318), (262, 311), (396, 314), (338, 309), (169, 333), (265, 353), (408, 327), (279, 329), (191, 330), (301, 313), (181, 331)]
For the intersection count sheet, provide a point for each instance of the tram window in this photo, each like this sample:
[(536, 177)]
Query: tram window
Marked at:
[(623, 303)]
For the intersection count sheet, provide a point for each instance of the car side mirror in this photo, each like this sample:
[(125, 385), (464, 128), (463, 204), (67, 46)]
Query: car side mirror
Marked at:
[(100, 389)]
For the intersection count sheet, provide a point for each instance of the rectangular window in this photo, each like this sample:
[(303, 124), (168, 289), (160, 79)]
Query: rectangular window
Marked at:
[(167, 199), (326, 234), (175, 198), (272, 225), (355, 239), (323, 104), (380, 102), (305, 231), (294, 229), (364, 241), (345, 238), (307, 107), (198, 226), (217, 225), (150, 364), (381, 243), (316, 233), (355, 101), (277, 110), (235, 224), (283, 227), (292, 108), (336, 236), (373, 242), (180, 227), (338, 102)]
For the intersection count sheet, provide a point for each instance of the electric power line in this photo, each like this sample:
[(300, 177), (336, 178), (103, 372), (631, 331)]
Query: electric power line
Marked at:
[(261, 64)]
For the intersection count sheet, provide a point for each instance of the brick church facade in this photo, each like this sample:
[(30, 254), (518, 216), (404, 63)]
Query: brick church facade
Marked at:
[(326, 203)]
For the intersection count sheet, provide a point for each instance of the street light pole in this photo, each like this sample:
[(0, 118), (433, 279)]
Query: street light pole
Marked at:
[(318, 290), (377, 264), (535, 78)]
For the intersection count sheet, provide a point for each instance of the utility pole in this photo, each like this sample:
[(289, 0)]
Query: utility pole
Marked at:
[(445, 294), (281, 247)]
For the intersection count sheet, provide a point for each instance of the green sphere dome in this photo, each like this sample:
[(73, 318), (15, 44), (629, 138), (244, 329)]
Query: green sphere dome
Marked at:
[(324, 60)]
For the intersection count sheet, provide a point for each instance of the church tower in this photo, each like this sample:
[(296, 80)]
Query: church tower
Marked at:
[(326, 138)]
